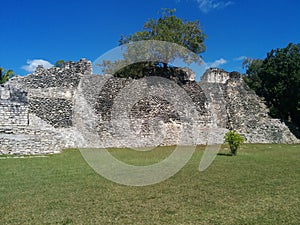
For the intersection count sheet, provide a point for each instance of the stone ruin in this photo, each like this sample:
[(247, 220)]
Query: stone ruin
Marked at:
[(69, 107)]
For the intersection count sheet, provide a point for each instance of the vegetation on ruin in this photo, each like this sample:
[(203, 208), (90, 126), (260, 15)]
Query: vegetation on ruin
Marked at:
[(167, 28), (5, 75), (59, 63), (277, 79), (261, 186)]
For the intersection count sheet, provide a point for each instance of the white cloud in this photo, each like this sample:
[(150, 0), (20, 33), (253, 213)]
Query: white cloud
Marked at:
[(33, 64), (216, 63), (208, 5), (241, 58)]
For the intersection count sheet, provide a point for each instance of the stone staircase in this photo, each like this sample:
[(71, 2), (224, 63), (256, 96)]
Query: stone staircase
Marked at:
[(28, 141)]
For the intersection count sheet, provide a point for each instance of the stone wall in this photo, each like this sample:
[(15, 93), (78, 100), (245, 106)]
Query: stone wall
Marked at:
[(55, 111), (50, 91), (64, 107), (237, 107), (28, 140), (215, 76), (136, 113), (65, 77), (13, 107), (40, 116), (17, 136), (13, 114)]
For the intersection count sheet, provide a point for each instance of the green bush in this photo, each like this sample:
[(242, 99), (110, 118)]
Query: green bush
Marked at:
[(59, 63), (234, 140)]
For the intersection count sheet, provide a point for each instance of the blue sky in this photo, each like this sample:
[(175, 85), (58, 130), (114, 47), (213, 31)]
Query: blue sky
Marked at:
[(40, 32)]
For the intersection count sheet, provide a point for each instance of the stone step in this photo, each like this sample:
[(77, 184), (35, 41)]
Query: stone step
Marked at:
[(28, 141)]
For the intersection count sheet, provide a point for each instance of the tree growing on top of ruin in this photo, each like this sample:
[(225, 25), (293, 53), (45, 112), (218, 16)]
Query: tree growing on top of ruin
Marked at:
[(166, 29), (5, 75), (59, 63), (277, 80)]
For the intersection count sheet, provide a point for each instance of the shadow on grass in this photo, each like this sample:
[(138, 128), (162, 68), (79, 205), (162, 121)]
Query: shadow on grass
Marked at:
[(293, 128), (225, 154)]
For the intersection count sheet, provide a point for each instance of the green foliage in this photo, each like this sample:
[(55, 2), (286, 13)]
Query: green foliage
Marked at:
[(168, 28), (234, 140), (171, 29), (277, 79), (5, 75), (253, 67), (59, 63)]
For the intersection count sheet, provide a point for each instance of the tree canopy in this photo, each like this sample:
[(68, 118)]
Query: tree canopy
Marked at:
[(277, 79), (153, 43), (5, 75)]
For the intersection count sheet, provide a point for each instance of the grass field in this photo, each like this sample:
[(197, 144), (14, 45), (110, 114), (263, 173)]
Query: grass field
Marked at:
[(259, 186)]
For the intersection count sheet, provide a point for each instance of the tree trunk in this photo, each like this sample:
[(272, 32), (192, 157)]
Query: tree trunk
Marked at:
[(165, 66)]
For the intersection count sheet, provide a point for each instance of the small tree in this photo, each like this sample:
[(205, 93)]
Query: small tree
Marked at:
[(234, 140), (151, 42), (5, 75), (59, 63)]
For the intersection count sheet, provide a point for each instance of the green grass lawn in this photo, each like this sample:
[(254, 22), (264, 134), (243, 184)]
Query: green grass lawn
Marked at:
[(259, 186)]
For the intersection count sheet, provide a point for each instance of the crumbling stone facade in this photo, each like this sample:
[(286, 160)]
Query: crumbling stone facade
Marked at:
[(18, 135), (13, 107), (237, 107), (64, 107)]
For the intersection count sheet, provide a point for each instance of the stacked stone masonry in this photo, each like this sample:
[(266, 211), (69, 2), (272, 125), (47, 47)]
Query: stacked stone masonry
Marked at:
[(65, 107)]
